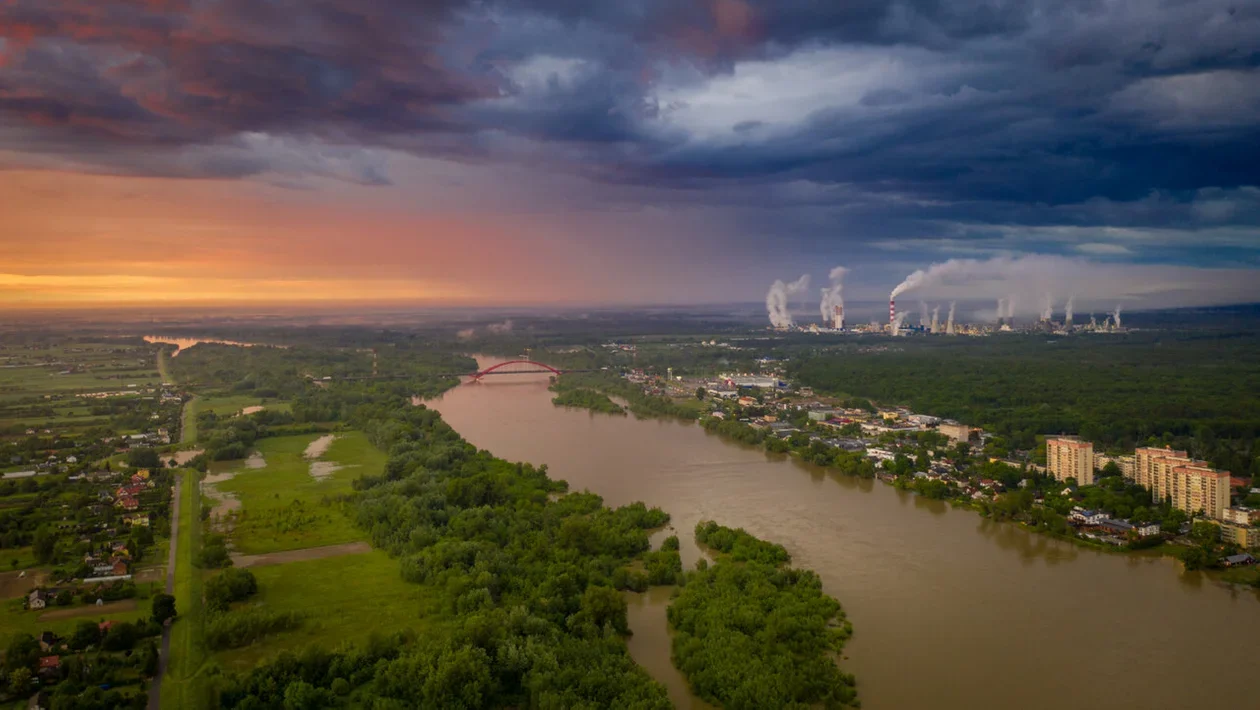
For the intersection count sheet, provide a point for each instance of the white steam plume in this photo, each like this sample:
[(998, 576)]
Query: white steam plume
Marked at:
[(896, 324), (1010, 308), (923, 314), (949, 325), (1115, 315), (936, 313), (500, 328), (833, 296), (1067, 310), (1001, 309), (1047, 308), (1095, 285), (778, 297)]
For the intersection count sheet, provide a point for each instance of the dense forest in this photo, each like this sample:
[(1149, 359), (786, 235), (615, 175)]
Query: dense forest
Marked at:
[(1199, 391), (753, 633), (529, 580)]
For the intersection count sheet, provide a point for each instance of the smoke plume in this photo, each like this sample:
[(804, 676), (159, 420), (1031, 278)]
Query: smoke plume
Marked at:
[(500, 328), (1010, 309), (833, 296), (923, 314), (1115, 315), (1067, 310), (896, 324), (949, 326), (936, 312), (1047, 308), (1001, 309), (778, 297)]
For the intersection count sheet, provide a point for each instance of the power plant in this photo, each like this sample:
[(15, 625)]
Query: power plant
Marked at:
[(1022, 274)]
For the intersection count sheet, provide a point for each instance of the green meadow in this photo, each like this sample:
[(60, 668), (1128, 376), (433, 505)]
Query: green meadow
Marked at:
[(346, 599), (285, 507)]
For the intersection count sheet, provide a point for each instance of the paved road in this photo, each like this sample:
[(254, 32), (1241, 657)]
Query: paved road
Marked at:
[(164, 654)]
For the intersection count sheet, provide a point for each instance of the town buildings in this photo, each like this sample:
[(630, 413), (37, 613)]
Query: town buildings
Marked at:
[(1069, 457), (1192, 486)]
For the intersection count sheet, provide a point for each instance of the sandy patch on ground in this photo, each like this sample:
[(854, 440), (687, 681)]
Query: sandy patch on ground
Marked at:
[(255, 460), (149, 574), (251, 410), (90, 610), (183, 457), (224, 502), (309, 553), (13, 584), (323, 469), (319, 447)]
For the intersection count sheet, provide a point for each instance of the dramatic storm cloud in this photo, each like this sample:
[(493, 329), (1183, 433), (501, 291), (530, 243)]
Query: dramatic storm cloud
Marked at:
[(764, 136)]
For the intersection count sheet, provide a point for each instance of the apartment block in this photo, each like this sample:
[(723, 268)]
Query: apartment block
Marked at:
[(1069, 457)]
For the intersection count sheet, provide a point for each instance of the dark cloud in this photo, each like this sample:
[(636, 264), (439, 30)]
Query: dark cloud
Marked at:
[(945, 119)]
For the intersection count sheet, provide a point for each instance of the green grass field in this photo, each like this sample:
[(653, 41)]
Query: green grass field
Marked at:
[(24, 557), (347, 599), (283, 507), (184, 684), (226, 406)]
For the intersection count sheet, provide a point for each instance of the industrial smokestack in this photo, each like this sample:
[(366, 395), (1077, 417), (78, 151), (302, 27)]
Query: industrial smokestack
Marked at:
[(1115, 316), (949, 326), (936, 312), (1067, 311), (892, 311), (1001, 310)]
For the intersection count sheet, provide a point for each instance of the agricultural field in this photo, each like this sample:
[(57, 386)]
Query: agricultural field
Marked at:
[(285, 496), (226, 406), (344, 599)]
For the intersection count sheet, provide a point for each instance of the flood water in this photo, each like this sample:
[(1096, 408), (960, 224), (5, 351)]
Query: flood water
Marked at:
[(950, 611), (182, 344)]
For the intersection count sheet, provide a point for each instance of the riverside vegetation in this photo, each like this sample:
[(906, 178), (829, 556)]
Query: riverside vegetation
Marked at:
[(526, 581), (752, 632)]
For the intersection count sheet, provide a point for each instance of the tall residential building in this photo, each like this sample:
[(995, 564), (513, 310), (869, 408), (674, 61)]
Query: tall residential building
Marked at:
[(1126, 464), (1069, 457), (1199, 488), (1192, 486), (1154, 469)]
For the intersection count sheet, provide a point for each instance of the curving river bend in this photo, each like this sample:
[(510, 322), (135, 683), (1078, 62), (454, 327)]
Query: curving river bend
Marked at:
[(951, 612)]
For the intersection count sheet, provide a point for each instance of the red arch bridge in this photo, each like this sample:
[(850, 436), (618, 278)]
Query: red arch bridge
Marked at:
[(520, 367)]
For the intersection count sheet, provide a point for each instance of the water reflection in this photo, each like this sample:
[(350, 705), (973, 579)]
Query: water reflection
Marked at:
[(182, 344)]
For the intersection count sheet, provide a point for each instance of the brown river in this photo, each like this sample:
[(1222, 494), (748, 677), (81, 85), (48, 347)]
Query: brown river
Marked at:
[(950, 611)]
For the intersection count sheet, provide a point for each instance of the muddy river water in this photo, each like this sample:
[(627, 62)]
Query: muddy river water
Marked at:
[(950, 611)]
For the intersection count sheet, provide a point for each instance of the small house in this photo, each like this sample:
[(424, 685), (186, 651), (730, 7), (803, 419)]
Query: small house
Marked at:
[(1238, 560), (48, 641), (37, 599)]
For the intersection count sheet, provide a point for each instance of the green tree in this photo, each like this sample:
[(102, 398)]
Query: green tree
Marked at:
[(20, 681), (44, 546), (143, 457), (22, 652), (163, 607), (1205, 533), (605, 605), (86, 634)]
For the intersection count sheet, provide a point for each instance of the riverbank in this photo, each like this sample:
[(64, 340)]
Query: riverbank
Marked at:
[(900, 562), (1038, 504)]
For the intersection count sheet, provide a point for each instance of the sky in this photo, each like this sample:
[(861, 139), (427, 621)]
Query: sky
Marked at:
[(167, 152)]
